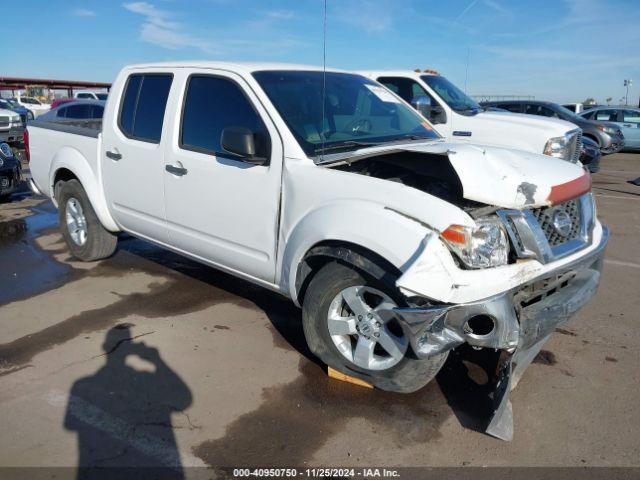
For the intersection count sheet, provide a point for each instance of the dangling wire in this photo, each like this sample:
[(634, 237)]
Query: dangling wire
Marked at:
[(324, 74)]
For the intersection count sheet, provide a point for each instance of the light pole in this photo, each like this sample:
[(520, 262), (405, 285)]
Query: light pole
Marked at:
[(627, 84)]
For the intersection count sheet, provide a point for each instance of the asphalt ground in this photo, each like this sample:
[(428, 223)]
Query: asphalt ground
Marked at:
[(148, 358)]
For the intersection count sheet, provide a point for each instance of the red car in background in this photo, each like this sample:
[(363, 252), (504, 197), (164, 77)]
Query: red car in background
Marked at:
[(60, 101)]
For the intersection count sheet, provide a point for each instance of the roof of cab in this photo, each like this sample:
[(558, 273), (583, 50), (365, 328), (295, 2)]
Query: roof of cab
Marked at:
[(245, 67)]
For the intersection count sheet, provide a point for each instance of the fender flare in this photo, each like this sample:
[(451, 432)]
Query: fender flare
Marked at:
[(395, 238), (71, 159)]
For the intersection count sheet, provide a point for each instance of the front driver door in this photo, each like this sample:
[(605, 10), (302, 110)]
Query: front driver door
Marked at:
[(218, 207)]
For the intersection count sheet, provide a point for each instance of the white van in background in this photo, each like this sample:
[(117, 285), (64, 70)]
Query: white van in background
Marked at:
[(89, 95)]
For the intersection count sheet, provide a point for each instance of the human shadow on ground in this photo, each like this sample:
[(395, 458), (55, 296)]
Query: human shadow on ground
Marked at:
[(122, 414)]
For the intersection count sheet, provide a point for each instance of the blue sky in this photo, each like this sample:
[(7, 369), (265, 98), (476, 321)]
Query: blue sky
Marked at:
[(560, 50)]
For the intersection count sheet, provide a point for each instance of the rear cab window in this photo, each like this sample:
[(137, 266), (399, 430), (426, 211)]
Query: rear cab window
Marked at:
[(143, 106)]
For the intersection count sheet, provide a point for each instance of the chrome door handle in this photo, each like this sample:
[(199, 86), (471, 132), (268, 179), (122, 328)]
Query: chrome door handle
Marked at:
[(113, 155), (179, 171)]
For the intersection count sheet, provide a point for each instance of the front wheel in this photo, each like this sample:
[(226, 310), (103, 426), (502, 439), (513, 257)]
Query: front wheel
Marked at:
[(348, 325), (85, 236)]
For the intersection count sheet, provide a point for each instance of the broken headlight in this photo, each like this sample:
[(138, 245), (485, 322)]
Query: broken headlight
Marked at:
[(482, 246)]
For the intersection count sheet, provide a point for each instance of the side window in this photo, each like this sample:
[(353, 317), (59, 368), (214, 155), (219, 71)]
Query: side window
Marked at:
[(589, 116), (547, 112), (631, 116), (97, 111), (606, 116), (406, 88), (515, 108), (78, 111), (531, 110), (212, 104), (143, 106), (84, 95), (62, 113)]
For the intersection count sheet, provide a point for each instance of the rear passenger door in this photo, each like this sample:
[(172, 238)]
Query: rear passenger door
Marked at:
[(220, 208), (133, 155)]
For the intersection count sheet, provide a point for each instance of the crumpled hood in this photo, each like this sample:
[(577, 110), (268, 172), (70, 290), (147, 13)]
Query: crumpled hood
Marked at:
[(496, 176)]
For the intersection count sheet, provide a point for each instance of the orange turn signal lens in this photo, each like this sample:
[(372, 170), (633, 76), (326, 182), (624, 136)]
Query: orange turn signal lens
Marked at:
[(455, 234)]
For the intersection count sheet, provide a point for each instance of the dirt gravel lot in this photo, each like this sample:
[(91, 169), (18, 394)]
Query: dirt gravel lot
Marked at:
[(150, 358)]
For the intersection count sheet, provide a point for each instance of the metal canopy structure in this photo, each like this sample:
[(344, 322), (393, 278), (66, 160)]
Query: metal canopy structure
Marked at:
[(20, 83)]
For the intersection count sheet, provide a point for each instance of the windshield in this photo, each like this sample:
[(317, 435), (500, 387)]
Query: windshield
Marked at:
[(5, 104), (357, 111), (13, 102), (452, 95), (102, 96)]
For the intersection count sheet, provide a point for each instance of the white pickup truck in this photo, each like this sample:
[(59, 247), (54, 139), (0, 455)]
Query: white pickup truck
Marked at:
[(331, 190), (459, 118)]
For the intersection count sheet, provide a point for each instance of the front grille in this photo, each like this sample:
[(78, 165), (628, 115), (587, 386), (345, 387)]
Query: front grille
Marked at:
[(577, 147), (550, 233), (4, 121), (574, 146), (545, 217)]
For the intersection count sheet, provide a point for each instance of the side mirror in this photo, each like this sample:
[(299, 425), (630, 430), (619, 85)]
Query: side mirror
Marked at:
[(239, 141), (438, 115), (422, 104)]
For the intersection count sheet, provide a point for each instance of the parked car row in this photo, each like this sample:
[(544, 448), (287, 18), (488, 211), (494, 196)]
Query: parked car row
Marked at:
[(10, 171), (627, 119), (607, 135), (11, 126)]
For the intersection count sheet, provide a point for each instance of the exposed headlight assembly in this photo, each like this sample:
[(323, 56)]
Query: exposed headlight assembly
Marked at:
[(485, 245), (557, 147)]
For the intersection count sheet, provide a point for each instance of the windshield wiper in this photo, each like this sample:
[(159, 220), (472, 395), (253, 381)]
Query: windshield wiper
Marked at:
[(347, 144), (410, 137)]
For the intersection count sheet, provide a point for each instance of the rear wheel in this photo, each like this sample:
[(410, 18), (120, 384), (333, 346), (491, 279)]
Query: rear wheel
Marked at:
[(349, 325), (86, 238)]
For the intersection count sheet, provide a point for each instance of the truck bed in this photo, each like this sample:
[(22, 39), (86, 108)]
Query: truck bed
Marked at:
[(87, 128), (48, 139)]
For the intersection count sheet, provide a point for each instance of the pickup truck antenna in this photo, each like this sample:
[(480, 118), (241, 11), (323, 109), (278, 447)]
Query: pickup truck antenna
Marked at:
[(324, 73)]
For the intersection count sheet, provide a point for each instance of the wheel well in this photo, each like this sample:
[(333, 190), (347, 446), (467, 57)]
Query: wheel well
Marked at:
[(363, 259), (62, 175), (592, 137)]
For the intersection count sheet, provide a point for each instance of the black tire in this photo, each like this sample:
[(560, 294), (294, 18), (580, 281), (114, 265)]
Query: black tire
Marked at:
[(100, 242), (409, 375)]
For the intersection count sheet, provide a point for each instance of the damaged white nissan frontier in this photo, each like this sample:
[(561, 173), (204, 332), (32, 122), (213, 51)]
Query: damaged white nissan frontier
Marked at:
[(331, 190)]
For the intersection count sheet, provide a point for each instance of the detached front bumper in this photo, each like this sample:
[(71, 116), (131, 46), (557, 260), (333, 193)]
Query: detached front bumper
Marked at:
[(516, 319)]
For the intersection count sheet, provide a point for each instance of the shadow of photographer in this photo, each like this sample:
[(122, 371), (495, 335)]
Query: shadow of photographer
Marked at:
[(122, 414)]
